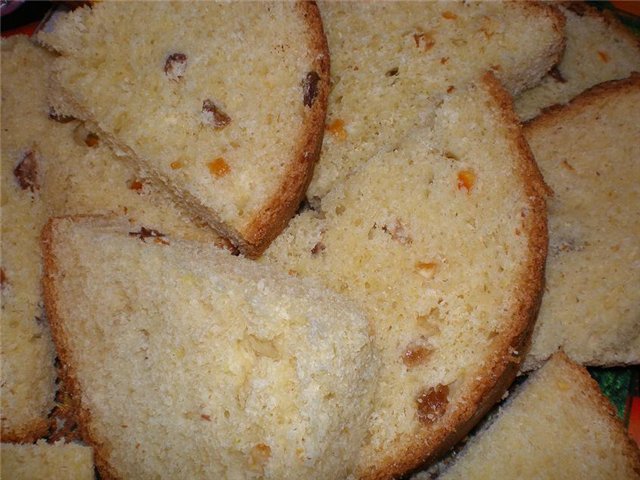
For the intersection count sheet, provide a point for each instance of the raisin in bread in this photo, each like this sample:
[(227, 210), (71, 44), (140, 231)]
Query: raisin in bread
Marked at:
[(223, 104), (589, 154), (557, 425), (442, 240), (189, 362), (391, 63), (42, 461), (599, 48), (27, 355)]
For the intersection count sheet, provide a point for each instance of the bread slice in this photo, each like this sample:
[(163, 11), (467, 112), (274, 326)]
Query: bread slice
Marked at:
[(392, 62), (42, 461), (221, 103), (189, 362), (442, 241), (558, 425), (27, 356), (52, 165), (589, 154), (599, 48)]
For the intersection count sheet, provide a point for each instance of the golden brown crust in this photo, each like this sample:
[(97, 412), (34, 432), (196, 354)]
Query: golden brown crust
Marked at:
[(590, 389), (50, 295), (28, 433), (585, 99), (284, 203), (510, 349)]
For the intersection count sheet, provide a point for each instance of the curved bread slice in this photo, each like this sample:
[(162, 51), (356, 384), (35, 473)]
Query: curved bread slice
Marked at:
[(43, 461), (391, 62), (443, 242), (188, 362), (558, 426), (599, 48), (27, 356), (589, 153), (221, 103)]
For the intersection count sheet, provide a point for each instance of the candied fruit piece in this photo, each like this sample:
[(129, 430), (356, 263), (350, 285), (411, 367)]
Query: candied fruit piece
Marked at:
[(431, 403), (219, 167)]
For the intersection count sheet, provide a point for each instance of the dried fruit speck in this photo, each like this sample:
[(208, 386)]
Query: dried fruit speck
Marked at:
[(26, 172)]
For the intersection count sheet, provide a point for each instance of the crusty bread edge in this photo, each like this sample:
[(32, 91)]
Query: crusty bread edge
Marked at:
[(56, 322), (27, 433), (286, 200), (512, 346), (591, 390)]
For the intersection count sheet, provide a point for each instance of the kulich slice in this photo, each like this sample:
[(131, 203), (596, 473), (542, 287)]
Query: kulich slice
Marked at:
[(391, 63), (27, 355), (222, 104), (599, 48), (187, 362), (442, 241), (558, 425), (589, 154)]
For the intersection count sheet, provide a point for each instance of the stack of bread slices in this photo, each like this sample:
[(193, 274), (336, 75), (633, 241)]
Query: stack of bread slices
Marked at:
[(299, 240)]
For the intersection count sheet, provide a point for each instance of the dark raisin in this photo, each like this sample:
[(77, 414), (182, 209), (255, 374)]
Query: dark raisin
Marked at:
[(393, 72), (310, 88), (175, 66), (26, 172), (145, 233), (214, 116)]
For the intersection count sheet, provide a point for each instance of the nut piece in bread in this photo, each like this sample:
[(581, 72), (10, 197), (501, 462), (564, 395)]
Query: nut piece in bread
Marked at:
[(188, 362), (221, 103)]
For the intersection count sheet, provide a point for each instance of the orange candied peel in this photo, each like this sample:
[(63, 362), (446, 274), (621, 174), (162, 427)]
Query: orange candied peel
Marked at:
[(604, 56), (176, 165), (449, 15), (466, 180), (136, 185), (219, 167), (336, 128)]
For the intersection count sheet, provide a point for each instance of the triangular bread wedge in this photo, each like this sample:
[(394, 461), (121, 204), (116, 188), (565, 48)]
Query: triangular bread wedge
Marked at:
[(222, 103), (557, 426), (392, 62), (187, 362), (599, 48), (589, 153), (442, 241)]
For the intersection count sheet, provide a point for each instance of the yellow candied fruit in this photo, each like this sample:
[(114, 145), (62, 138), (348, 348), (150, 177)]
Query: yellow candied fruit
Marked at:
[(426, 269), (603, 56), (336, 128), (176, 165), (219, 167), (466, 180), (449, 15)]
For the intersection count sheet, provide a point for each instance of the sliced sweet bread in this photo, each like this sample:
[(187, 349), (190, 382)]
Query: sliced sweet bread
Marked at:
[(599, 48), (52, 165), (557, 425), (42, 461), (391, 62), (223, 104), (27, 355), (442, 241), (589, 154), (188, 362)]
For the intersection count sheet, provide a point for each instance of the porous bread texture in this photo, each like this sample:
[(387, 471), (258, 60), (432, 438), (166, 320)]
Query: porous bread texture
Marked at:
[(42, 461), (558, 425), (392, 62), (70, 178), (223, 104), (189, 362), (598, 48), (589, 154), (442, 241), (27, 354)]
